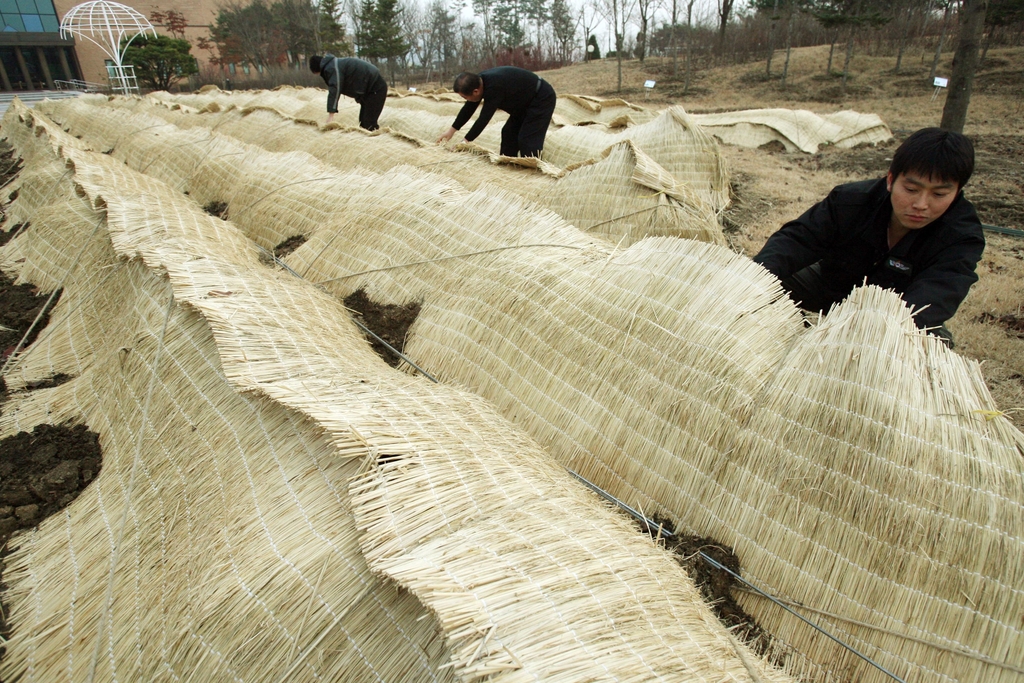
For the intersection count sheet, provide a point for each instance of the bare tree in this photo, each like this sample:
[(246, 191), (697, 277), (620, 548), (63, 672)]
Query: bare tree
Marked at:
[(444, 38), (965, 63), (618, 13), (689, 45), (646, 9), (724, 12), (791, 11), (672, 38), (485, 10), (772, 21), (563, 29), (588, 25)]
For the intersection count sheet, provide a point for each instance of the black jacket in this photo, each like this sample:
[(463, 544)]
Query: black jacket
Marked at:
[(507, 88), (348, 76), (848, 233)]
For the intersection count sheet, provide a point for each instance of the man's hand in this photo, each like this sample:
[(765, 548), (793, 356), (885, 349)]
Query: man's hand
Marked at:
[(330, 117), (445, 137)]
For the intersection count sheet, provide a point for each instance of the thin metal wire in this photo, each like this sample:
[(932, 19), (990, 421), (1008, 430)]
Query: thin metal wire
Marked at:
[(361, 326), (447, 258), (710, 560)]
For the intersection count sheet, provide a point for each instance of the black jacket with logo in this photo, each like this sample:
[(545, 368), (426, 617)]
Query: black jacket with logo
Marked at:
[(847, 233), (348, 76)]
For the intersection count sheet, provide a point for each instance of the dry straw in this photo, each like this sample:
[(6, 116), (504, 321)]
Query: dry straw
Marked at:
[(679, 377), (796, 129), (622, 198), (232, 418), (672, 139)]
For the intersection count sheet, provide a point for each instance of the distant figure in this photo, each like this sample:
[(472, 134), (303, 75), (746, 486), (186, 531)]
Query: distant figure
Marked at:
[(528, 99), (353, 77), (912, 231)]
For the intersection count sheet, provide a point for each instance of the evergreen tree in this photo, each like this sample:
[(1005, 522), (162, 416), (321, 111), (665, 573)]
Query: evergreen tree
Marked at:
[(380, 35), (594, 53), (509, 16), (159, 62), (366, 30), (330, 33)]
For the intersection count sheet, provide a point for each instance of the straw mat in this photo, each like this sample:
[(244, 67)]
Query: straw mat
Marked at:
[(858, 468), (671, 139), (277, 504), (622, 197), (797, 129), (465, 332)]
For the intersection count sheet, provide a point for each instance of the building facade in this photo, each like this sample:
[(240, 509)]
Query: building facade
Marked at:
[(33, 56)]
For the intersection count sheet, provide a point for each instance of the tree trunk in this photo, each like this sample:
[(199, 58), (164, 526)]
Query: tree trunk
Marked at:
[(984, 49), (689, 42), (725, 9), (849, 56), (618, 55), (675, 57), (789, 46), (619, 39), (902, 43), (942, 39), (771, 40), (831, 52), (965, 63)]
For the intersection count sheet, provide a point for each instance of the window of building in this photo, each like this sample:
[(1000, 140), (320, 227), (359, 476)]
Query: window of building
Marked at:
[(33, 16)]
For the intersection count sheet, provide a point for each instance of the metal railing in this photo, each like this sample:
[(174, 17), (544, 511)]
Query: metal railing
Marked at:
[(84, 86)]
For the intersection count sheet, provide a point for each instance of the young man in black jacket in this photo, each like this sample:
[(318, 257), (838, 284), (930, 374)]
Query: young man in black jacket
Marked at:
[(353, 77), (528, 99), (912, 231)]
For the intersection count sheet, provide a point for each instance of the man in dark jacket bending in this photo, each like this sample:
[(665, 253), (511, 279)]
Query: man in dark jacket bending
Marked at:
[(528, 99), (353, 77), (912, 231)]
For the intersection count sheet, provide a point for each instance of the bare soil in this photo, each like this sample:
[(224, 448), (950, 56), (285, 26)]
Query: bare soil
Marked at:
[(389, 322), (715, 583)]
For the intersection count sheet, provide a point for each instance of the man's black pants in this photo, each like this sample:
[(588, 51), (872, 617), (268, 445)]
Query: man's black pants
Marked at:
[(523, 133), (372, 104)]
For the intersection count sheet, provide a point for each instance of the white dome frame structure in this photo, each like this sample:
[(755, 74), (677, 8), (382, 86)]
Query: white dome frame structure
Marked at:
[(106, 24)]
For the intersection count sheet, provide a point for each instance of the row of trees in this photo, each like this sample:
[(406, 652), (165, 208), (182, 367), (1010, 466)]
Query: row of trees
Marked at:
[(438, 37), (271, 34), (436, 40)]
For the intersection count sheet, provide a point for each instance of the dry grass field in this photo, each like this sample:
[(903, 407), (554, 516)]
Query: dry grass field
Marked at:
[(771, 186)]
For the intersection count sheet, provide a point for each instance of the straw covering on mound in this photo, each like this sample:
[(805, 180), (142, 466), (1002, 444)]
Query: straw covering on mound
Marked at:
[(276, 503), (622, 195), (671, 138), (673, 373)]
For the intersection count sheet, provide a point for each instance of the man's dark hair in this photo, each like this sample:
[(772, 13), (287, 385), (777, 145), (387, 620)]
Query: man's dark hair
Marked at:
[(937, 153), (314, 63), (466, 82)]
